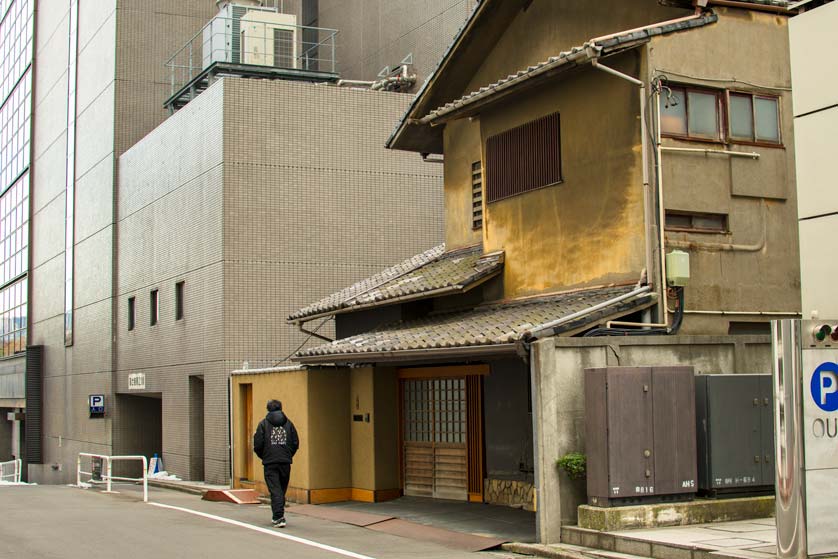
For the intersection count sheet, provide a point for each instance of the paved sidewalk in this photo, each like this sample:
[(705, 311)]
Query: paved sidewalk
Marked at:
[(750, 539)]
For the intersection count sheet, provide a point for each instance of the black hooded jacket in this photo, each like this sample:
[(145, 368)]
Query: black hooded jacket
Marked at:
[(275, 440)]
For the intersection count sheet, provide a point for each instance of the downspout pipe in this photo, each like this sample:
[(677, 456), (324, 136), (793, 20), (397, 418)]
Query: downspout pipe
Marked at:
[(644, 146)]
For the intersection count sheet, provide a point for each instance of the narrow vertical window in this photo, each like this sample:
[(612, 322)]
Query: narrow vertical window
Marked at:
[(155, 306), (477, 195), (179, 300), (132, 312)]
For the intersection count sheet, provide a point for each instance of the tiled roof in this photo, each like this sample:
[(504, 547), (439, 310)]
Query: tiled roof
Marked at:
[(591, 50), (434, 272), (485, 325)]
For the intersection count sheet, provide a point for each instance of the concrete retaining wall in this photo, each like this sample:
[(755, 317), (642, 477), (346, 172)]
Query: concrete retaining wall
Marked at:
[(557, 368)]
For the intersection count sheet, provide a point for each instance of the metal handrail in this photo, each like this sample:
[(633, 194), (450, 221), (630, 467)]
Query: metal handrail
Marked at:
[(109, 477), (16, 473), (190, 59)]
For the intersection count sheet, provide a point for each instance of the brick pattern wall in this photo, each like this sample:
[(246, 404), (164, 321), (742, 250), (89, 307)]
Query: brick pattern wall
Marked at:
[(262, 197), (378, 33), (123, 46)]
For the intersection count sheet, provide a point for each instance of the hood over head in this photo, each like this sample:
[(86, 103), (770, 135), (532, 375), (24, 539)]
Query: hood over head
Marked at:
[(276, 418)]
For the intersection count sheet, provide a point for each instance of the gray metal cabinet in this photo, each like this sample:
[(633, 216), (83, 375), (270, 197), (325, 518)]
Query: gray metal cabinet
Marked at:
[(735, 430), (640, 434)]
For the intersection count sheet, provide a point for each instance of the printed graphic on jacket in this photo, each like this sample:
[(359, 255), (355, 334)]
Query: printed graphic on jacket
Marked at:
[(278, 436)]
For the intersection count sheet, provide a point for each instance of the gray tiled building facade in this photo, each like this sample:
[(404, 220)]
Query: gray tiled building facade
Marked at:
[(225, 198)]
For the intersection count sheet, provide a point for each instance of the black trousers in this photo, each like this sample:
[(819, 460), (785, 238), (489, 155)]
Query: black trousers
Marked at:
[(276, 478)]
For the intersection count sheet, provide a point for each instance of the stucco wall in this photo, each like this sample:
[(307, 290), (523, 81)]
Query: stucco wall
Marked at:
[(758, 195), (558, 366), (548, 27), (588, 229), (291, 388)]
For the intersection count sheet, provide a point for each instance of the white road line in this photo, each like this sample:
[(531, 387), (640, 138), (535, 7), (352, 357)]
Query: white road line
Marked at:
[(270, 532)]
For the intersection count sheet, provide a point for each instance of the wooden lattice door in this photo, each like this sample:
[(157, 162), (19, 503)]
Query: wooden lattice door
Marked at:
[(435, 436)]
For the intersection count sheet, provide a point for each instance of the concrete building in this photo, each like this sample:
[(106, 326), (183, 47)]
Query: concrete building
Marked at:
[(586, 146), (85, 81), (813, 44)]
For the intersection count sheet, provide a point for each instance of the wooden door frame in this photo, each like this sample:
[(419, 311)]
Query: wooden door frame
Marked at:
[(475, 372)]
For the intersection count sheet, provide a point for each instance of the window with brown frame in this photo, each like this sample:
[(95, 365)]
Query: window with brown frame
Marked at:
[(691, 113), (524, 158), (696, 222), (754, 118)]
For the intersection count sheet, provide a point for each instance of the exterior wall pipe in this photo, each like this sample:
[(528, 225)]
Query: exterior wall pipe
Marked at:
[(752, 6), (362, 83), (749, 154), (744, 313), (728, 247), (664, 315)]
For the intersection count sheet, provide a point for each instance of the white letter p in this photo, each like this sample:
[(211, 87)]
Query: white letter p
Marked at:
[(828, 387)]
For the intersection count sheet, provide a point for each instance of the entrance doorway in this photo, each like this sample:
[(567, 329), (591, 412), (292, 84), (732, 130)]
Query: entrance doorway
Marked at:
[(196, 428), (246, 425), (442, 432), (138, 429)]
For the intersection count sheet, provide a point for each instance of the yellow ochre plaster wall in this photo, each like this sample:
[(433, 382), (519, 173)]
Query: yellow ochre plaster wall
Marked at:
[(588, 229)]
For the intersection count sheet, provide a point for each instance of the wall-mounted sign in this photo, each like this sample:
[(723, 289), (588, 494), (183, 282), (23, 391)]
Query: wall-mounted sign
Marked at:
[(97, 404), (136, 381)]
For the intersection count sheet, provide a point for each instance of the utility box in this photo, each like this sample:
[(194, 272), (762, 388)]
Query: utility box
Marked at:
[(735, 434), (640, 435)]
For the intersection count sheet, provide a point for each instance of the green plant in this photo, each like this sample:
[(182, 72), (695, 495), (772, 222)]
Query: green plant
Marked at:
[(573, 464)]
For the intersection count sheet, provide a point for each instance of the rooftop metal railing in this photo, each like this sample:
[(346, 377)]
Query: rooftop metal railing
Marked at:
[(250, 42), (107, 475), (11, 471)]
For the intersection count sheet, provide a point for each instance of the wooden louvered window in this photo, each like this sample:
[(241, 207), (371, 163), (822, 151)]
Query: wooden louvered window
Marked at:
[(477, 195), (524, 158)]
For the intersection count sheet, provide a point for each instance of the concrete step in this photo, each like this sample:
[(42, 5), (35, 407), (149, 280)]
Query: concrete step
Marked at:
[(565, 551), (604, 545)]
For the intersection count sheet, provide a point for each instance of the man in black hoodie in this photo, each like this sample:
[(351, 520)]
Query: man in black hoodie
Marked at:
[(276, 442)]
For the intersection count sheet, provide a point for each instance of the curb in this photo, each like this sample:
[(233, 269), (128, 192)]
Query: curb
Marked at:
[(539, 550), (192, 490)]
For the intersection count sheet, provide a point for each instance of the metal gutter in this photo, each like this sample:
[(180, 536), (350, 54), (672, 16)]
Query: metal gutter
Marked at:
[(534, 333)]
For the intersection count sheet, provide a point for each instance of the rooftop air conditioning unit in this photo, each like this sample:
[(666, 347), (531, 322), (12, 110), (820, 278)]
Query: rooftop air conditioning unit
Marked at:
[(222, 36), (269, 39)]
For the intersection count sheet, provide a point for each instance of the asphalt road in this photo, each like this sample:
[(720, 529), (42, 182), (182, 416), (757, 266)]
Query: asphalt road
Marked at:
[(66, 522)]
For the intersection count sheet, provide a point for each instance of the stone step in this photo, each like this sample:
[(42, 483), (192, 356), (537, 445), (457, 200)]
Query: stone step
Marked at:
[(605, 545)]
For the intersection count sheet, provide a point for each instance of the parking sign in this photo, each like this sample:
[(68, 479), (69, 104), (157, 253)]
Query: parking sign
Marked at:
[(97, 404)]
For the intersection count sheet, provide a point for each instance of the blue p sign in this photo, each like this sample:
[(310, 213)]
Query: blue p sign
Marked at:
[(824, 386)]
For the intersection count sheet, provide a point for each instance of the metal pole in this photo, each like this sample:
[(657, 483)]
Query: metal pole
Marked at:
[(145, 479), (78, 471), (110, 471), (788, 416)]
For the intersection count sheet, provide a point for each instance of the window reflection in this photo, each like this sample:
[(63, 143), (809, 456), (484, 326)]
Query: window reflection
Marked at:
[(13, 319), (14, 230)]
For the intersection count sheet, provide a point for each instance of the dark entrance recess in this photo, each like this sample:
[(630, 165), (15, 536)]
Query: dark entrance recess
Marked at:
[(137, 429), (196, 428)]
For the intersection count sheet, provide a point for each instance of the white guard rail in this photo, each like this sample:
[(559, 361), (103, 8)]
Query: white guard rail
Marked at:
[(108, 476), (16, 467)]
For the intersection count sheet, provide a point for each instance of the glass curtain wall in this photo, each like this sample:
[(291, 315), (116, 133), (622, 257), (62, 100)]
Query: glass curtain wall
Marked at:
[(16, 52)]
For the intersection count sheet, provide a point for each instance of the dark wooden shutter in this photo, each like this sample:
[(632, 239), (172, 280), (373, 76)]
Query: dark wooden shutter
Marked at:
[(524, 158)]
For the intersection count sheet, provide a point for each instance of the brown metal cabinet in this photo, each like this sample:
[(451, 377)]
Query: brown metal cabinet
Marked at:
[(640, 434)]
